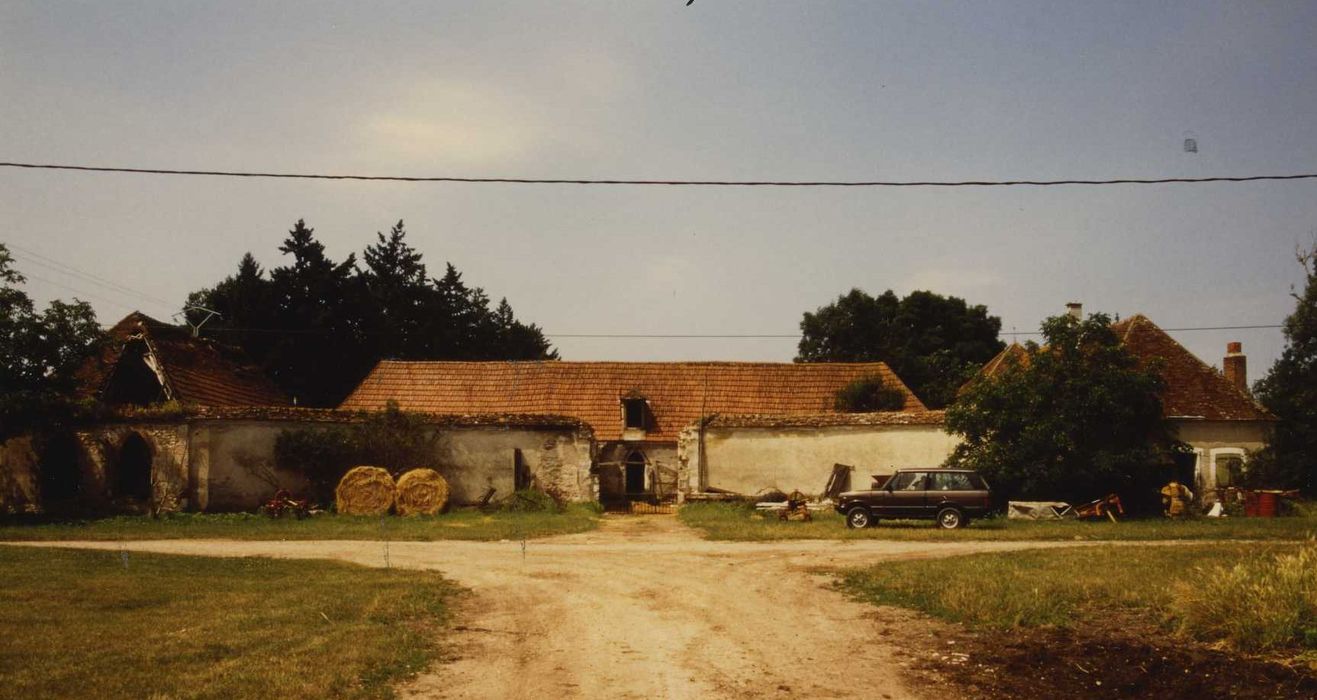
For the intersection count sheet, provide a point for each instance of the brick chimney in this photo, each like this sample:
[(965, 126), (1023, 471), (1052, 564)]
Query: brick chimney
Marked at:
[(1235, 366), (1076, 310)]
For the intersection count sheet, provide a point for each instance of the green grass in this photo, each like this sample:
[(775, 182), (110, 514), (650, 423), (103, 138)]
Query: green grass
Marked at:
[(1059, 587), (463, 524), (81, 624), (723, 521)]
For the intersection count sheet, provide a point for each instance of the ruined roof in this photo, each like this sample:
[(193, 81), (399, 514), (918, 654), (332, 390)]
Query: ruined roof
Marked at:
[(196, 371), (1193, 388), (678, 393), (827, 420)]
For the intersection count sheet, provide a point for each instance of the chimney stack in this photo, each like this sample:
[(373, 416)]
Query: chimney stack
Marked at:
[(1235, 366), (1076, 310)]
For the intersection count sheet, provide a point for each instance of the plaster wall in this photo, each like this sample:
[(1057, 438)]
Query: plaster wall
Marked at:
[(1213, 439), (747, 460)]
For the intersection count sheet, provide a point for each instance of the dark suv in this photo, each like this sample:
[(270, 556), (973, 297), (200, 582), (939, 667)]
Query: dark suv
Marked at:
[(949, 497)]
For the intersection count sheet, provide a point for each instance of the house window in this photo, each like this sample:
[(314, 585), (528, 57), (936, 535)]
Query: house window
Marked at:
[(634, 413), (1227, 466)]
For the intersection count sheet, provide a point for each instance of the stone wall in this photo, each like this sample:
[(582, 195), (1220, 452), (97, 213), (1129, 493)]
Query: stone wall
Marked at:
[(20, 491), (476, 458), (747, 460)]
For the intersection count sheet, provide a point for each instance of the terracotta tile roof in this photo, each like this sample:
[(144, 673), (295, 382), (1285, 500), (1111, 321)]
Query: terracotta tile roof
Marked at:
[(198, 371), (678, 393), (1193, 388), (826, 420)]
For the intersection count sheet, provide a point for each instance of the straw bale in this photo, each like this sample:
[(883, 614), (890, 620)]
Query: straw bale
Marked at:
[(364, 491), (422, 492)]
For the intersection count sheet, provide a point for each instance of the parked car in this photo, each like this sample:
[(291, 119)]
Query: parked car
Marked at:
[(949, 497)]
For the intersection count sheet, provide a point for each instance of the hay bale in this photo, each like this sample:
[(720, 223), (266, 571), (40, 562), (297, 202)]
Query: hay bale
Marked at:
[(422, 492), (364, 491)]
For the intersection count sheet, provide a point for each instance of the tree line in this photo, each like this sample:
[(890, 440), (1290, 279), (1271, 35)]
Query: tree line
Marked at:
[(316, 326)]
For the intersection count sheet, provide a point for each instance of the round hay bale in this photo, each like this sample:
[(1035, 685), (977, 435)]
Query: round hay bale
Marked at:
[(422, 492), (364, 491)]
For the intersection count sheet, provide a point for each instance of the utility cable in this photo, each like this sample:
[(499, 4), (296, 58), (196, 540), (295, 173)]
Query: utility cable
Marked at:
[(677, 183)]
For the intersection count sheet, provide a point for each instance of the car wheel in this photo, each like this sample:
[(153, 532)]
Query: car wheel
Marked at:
[(857, 518), (950, 519)]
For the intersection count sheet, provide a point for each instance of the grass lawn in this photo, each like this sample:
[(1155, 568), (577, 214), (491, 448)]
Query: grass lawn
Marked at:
[(80, 625), (723, 521), (1055, 587), (461, 524)]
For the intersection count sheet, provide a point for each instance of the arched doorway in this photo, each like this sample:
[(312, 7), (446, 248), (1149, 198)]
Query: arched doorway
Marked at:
[(61, 476), (132, 476), (634, 476)]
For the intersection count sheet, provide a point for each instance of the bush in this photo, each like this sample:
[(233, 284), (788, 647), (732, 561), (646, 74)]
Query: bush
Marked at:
[(532, 501), (1258, 604), (394, 440), (868, 394)]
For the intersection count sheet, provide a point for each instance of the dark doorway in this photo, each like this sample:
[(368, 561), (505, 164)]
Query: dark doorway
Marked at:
[(132, 477), (635, 473), (61, 477)]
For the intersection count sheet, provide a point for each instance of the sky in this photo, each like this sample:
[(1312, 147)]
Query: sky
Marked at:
[(655, 89)]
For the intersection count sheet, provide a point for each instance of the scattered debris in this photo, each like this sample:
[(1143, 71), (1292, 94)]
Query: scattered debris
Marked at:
[(1039, 510)]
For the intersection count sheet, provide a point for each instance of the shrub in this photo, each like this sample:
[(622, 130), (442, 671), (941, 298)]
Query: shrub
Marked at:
[(1261, 603), (532, 501), (869, 394)]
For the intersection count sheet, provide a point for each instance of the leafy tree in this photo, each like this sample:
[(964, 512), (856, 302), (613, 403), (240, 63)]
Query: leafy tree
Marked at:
[(40, 355), (869, 394), (1071, 421), (1290, 391), (934, 343)]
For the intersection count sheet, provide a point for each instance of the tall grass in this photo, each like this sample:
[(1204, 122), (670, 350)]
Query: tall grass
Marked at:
[(1254, 604), (1056, 587)]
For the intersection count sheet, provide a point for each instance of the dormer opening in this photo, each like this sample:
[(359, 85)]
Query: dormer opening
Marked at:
[(635, 413)]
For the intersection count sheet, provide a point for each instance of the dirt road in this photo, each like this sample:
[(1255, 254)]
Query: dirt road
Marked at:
[(642, 608)]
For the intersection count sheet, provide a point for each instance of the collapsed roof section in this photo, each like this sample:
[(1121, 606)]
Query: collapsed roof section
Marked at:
[(148, 362)]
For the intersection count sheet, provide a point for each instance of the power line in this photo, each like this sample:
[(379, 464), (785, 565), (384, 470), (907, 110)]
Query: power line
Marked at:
[(669, 336), (676, 183), (64, 269)]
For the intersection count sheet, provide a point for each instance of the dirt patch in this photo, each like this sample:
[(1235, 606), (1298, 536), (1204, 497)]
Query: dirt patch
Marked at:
[(644, 608), (1132, 661)]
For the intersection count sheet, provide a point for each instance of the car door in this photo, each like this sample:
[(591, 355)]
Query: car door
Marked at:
[(907, 496), (952, 488)]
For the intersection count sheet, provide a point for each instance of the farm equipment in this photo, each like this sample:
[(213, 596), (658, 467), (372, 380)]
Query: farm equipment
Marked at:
[(283, 504), (1107, 506)]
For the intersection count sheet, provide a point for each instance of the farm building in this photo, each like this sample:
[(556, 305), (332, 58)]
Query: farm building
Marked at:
[(1211, 410)]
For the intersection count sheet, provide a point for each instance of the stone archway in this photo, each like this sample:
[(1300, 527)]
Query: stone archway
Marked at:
[(132, 470), (634, 474)]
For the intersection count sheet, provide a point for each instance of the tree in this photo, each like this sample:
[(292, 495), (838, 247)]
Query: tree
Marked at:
[(40, 355), (869, 394), (317, 326), (934, 343), (1290, 391), (1071, 421)]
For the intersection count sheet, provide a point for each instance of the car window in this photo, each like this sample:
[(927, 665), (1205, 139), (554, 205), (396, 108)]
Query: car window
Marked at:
[(917, 481), (952, 481), (901, 481)]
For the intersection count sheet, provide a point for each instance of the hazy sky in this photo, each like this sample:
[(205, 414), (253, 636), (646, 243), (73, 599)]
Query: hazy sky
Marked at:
[(737, 90)]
